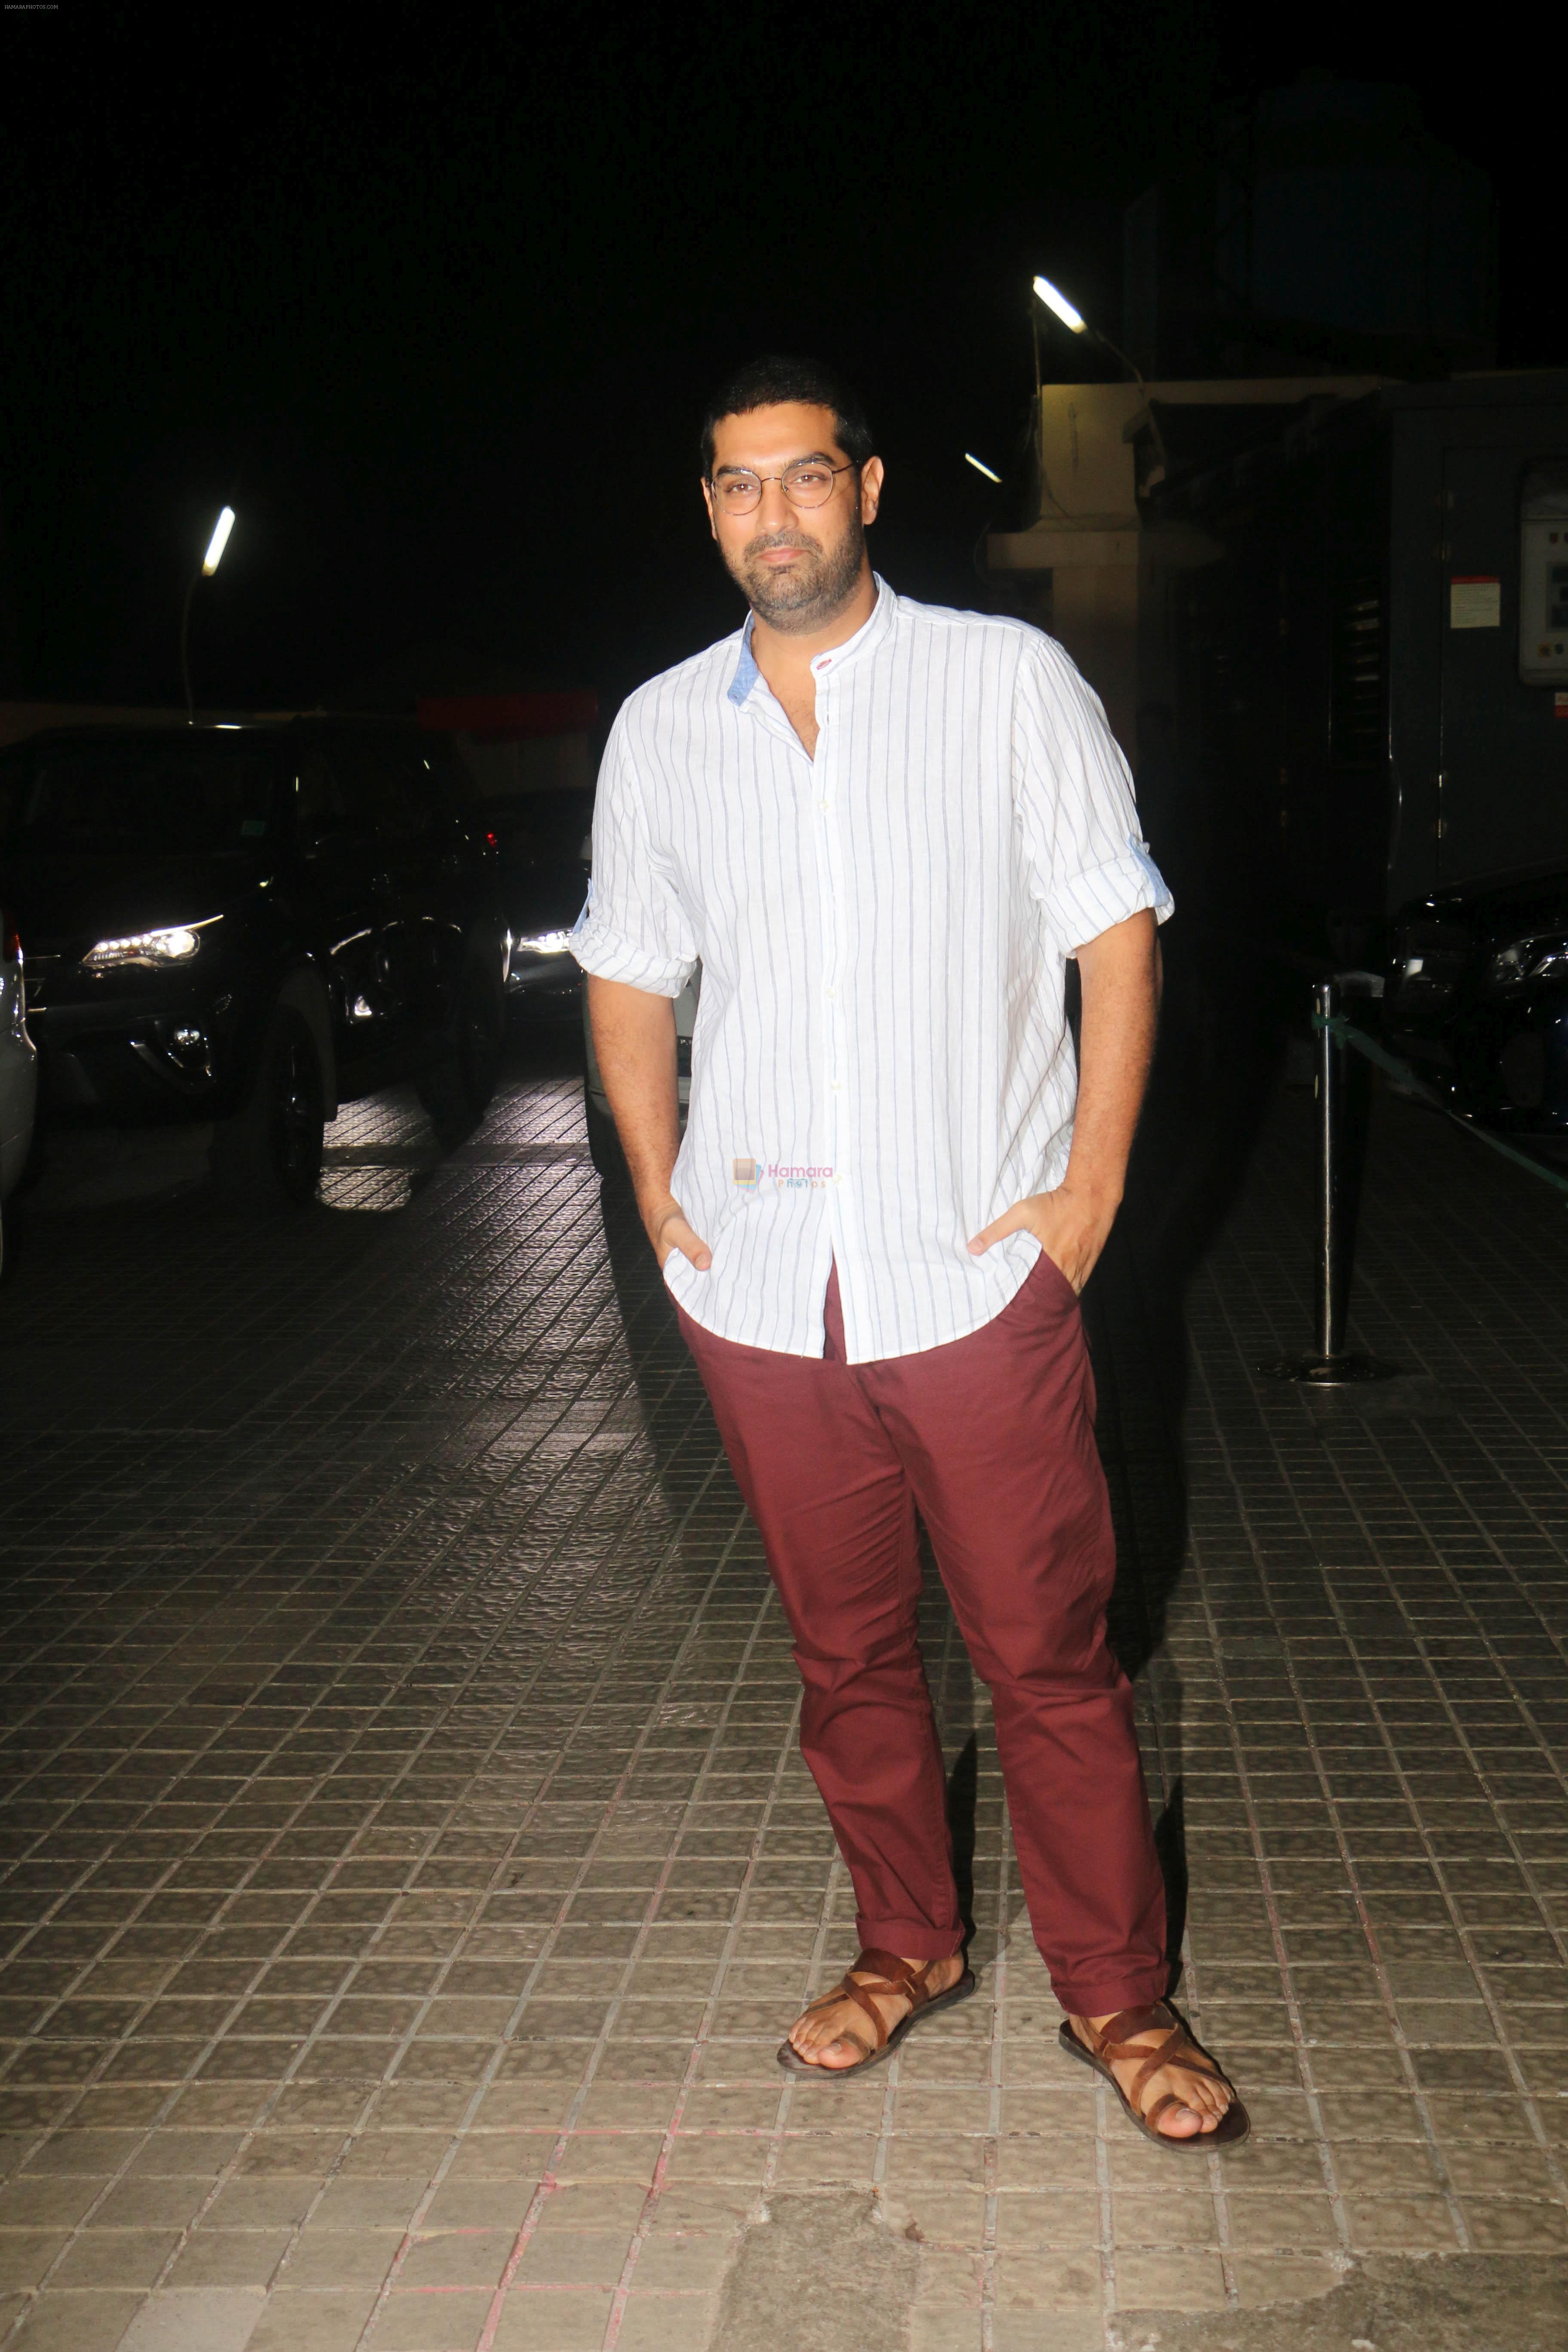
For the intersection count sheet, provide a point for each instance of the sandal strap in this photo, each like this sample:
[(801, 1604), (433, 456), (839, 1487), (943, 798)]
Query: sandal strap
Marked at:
[(861, 1996), (1113, 2045), (1128, 2021), (1162, 2054), (844, 1991), (907, 1977), (889, 1974)]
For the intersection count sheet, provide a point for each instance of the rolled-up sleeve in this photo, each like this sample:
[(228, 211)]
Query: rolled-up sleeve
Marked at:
[(1090, 865), (633, 927)]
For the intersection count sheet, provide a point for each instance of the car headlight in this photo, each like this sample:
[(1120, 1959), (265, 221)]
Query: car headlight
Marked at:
[(1524, 962), (175, 945), (544, 944)]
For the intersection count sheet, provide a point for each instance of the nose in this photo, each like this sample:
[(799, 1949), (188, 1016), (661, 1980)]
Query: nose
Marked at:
[(774, 511)]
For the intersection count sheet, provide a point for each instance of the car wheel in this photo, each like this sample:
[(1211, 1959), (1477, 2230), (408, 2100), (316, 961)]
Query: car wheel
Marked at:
[(604, 1149), (270, 1155), (456, 1089)]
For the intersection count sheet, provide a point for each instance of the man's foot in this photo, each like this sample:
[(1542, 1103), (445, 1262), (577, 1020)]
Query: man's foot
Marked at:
[(1201, 2099), (834, 2034)]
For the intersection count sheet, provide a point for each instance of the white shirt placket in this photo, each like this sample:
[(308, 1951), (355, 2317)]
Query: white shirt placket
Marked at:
[(826, 783)]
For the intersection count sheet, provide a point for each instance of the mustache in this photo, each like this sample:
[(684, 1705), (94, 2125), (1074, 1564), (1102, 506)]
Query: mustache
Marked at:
[(766, 540)]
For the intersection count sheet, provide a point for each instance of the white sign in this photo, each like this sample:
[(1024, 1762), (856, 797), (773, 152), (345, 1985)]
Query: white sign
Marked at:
[(1475, 602)]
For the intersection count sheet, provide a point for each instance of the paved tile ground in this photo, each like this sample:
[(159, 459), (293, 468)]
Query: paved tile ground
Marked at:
[(406, 1867)]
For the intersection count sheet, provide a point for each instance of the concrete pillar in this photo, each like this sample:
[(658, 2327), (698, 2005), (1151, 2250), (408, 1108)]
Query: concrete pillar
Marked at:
[(1094, 616)]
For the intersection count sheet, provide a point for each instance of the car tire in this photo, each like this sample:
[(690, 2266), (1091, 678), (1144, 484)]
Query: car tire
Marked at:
[(455, 1089), (269, 1156), (604, 1149)]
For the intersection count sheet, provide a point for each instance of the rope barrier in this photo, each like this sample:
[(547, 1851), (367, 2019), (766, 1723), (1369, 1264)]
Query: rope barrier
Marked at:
[(1346, 1034)]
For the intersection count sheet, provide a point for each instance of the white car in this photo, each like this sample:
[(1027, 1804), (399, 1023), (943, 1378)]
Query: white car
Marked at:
[(18, 1069)]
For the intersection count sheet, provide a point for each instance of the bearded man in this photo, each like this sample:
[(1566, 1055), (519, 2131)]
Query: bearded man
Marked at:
[(884, 829)]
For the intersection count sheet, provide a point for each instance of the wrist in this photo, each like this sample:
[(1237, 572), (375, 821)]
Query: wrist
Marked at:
[(1100, 1194), (655, 1203)]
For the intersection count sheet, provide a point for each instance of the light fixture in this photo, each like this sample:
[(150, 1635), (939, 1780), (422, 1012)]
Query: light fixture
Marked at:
[(971, 459), (1053, 299), (210, 562), (177, 944), (219, 539), (546, 943)]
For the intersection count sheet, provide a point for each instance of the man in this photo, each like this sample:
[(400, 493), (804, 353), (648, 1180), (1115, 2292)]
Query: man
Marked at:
[(884, 828)]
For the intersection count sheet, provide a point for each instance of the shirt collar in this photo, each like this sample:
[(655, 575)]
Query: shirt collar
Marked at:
[(871, 633)]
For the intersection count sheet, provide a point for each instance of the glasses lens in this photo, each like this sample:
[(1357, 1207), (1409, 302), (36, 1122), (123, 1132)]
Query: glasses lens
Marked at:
[(738, 493), (809, 486)]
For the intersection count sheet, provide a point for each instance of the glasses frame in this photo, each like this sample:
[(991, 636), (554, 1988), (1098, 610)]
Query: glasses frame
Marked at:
[(850, 466)]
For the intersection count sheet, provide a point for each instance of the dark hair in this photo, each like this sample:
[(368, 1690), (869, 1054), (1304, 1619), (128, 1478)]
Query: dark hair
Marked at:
[(768, 383)]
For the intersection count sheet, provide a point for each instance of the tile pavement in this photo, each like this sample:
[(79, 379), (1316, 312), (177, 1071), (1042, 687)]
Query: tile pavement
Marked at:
[(406, 1865)]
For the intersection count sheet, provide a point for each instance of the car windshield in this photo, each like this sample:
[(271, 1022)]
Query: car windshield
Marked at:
[(127, 799)]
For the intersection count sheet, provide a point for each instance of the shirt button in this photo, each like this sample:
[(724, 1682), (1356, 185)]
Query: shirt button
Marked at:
[(830, 992), (837, 1087), (824, 804)]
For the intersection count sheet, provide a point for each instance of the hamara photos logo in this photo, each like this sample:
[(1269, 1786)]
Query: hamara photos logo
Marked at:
[(749, 1173)]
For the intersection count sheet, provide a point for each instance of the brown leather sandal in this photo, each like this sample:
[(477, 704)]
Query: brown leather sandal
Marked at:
[(1114, 2041), (889, 1974)]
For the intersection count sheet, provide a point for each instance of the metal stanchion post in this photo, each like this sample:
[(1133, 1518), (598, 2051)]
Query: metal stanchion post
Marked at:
[(1329, 1091), (1331, 1363)]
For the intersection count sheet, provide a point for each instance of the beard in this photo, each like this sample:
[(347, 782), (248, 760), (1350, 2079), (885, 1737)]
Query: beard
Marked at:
[(811, 591)]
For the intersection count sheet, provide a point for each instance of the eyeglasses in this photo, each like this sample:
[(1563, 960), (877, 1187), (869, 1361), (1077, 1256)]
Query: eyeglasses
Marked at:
[(808, 483)]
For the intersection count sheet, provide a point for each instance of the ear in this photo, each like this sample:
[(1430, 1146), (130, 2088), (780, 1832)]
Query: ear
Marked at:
[(708, 502), (870, 488)]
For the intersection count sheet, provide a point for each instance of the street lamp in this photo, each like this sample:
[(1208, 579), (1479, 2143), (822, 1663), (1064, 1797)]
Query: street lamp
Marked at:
[(1074, 321), (210, 562)]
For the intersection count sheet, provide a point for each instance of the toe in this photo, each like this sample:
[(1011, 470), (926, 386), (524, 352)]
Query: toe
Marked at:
[(1180, 2123)]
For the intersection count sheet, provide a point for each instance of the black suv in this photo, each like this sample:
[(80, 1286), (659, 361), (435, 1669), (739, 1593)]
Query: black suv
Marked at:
[(250, 925)]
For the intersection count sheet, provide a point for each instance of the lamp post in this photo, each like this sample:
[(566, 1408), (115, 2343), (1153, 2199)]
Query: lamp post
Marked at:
[(210, 562), (1055, 300)]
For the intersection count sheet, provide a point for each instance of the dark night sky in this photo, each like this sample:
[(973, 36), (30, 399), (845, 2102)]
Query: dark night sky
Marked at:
[(442, 290)]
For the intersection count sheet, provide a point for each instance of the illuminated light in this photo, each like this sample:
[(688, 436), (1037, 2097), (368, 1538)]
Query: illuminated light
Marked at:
[(359, 1010), (971, 459), (177, 944), (1053, 299), (219, 539), (547, 943)]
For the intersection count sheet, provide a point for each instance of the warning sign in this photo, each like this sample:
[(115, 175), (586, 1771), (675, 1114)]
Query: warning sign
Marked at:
[(1475, 601)]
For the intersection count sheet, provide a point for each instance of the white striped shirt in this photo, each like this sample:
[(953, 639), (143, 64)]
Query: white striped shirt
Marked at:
[(881, 1064)]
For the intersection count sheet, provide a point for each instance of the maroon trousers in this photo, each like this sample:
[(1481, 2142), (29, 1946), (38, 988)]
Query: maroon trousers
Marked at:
[(992, 1438)]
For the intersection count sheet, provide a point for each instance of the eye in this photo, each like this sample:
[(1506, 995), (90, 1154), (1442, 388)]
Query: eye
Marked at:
[(814, 480), (738, 490)]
